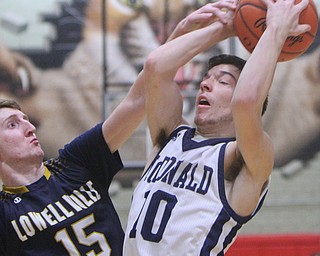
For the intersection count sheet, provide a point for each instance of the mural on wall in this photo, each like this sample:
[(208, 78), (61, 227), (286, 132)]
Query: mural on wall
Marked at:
[(61, 88)]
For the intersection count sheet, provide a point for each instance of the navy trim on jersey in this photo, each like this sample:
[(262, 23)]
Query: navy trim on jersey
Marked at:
[(171, 136), (222, 190), (227, 242), (261, 202), (223, 197), (24, 189), (215, 233), (189, 144), (175, 134)]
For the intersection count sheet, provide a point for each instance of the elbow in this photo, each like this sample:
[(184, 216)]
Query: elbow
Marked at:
[(152, 65), (244, 104), (249, 103), (160, 63)]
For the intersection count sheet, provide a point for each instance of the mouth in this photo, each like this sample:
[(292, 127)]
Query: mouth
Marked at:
[(34, 141), (203, 102)]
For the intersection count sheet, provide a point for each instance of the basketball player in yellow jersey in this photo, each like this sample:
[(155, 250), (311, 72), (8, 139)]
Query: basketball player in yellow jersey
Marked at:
[(202, 184)]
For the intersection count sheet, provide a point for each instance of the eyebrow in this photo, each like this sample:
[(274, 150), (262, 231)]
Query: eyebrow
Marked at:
[(24, 116)]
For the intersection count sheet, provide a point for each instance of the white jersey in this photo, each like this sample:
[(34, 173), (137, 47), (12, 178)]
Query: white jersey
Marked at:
[(179, 206)]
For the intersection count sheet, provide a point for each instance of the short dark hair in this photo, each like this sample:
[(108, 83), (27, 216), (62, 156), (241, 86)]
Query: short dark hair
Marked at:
[(9, 104), (235, 61), (226, 59)]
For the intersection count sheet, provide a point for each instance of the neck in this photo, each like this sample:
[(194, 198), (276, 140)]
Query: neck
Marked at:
[(15, 177), (215, 133), (215, 128)]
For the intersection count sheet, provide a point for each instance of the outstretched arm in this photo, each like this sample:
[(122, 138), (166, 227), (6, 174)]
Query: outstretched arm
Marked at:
[(164, 101), (127, 116), (254, 83)]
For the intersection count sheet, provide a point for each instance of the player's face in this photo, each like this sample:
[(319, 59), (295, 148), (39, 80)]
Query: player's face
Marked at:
[(215, 94), (18, 141)]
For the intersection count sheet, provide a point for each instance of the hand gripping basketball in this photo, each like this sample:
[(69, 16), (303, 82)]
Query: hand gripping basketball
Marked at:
[(250, 23)]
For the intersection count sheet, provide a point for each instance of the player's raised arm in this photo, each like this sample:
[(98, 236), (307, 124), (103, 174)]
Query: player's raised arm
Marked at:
[(164, 102), (126, 117), (122, 122), (254, 84)]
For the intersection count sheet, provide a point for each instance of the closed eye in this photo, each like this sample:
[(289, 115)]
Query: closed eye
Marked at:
[(224, 82)]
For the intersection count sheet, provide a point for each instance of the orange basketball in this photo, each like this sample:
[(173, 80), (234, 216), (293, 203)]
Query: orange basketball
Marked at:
[(250, 22)]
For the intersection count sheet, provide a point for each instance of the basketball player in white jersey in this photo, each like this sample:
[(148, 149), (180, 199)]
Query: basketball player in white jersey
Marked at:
[(202, 184)]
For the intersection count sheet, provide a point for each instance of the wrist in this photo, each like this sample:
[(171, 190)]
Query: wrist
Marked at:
[(221, 31), (277, 36)]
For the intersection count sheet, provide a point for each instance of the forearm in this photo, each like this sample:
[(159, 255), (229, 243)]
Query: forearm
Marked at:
[(203, 17), (126, 117), (169, 57), (256, 77), (250, 93), (282, 20)]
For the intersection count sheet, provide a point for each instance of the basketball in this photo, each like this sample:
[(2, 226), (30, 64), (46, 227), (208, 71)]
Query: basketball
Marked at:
[(250, 23)]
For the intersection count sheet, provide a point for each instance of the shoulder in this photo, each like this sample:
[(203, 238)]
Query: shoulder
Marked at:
[(88, 141)]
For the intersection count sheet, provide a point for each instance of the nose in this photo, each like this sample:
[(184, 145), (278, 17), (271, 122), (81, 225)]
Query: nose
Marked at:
[(29, 128), (205, 86)]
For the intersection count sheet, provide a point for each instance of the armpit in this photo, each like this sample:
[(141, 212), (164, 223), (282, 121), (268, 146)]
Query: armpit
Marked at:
[(161, 138), (233, 171)]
